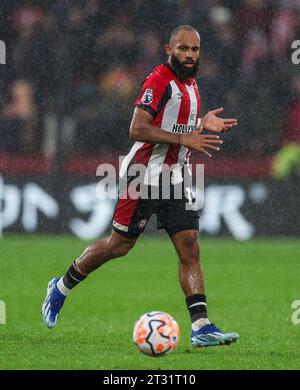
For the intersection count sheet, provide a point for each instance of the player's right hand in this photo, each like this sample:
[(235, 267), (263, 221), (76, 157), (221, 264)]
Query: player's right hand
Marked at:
[(200, 142)]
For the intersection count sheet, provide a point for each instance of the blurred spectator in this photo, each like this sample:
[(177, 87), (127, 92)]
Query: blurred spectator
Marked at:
[(282, 32), (27, 16), (18, 120), (78, 42), (103, 120), (151, 55), (226, 48), (253, 14), (117, 46), (253, 52), (32, 59), (292, 120), (212, 84), (287, 161)]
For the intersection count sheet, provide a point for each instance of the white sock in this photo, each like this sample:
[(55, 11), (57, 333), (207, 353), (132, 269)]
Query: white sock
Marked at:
[(62, 288), (200, 323)]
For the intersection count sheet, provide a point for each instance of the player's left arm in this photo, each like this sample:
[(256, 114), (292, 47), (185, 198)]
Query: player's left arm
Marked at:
[(212, 122)]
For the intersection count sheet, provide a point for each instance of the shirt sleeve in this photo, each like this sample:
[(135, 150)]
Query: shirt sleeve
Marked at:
[(153, 96)]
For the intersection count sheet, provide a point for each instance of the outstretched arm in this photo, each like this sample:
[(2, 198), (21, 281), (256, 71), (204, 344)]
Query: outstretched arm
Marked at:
[(141, 129)]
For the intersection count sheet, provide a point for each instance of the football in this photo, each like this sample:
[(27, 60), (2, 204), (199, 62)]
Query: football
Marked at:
[(156, 333)]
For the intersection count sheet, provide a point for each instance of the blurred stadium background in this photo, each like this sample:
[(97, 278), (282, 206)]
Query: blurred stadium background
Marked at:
[(73, 70)]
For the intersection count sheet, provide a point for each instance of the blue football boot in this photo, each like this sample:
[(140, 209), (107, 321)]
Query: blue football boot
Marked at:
[(209, 335), (52, 304)]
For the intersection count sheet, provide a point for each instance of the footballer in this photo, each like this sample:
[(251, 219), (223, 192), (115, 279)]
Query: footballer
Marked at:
[(166, 127)]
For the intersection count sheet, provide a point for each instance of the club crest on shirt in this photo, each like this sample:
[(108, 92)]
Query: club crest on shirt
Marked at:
[(147, 97)]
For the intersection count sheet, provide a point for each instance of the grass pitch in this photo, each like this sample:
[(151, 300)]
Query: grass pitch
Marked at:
[(250, 288)]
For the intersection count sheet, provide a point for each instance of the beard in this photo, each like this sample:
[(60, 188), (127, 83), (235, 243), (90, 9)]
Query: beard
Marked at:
[(181, 71)]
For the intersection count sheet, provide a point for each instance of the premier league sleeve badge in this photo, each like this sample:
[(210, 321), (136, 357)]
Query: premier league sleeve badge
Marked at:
[(147, 97)]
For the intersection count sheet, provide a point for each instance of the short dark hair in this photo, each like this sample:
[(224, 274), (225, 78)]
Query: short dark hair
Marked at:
[(179, 28)]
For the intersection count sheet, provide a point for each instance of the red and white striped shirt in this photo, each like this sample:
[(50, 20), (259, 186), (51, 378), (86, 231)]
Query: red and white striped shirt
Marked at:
[(175, 107)]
